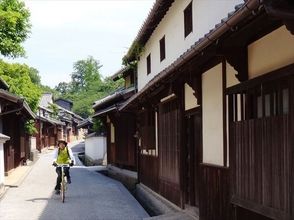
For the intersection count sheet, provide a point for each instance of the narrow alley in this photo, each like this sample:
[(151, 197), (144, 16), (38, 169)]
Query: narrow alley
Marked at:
[(90, 196)]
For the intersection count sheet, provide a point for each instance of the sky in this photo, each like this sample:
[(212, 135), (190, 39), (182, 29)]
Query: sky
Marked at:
[(65, 31)]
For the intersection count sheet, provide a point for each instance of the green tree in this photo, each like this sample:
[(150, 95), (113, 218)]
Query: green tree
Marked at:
[(14, 27), (63, 88), (18, 78), (48, 89), (35, 77), (30, 127), (86, 86), (54, 109), (85, 72)]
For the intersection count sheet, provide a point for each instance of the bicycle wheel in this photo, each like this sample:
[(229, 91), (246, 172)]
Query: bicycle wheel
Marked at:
[(62, 188)]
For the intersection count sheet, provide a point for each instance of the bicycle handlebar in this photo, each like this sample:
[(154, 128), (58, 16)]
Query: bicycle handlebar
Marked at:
[(62, 165)]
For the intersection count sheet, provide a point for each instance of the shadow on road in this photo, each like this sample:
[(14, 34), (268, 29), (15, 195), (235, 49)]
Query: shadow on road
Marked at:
[(92, 196)]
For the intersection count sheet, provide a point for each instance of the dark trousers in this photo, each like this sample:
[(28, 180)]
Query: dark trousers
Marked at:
[(58, 171)]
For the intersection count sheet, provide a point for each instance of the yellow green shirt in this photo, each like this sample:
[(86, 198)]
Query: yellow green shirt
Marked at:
[(63, 157)]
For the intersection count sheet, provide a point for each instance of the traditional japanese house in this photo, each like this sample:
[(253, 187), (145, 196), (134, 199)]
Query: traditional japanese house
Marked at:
[(3, 139), (14, 113), (87, 125), (49, 127), (55, 122), (120, 126), (215, 107), (70, 131), (64, 103)]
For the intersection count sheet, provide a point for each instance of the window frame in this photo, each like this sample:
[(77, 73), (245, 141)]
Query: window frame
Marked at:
[(188, 19), (148, 63), (162, 48)]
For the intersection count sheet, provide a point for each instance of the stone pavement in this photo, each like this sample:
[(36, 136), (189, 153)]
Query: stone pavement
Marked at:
[(91, 196)]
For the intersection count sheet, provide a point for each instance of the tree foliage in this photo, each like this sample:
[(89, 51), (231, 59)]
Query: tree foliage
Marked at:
[(54, 109), (18, 78), (85, 72), (63, 88), (86, 86), (30, 128), (14, 27), (35, 77)]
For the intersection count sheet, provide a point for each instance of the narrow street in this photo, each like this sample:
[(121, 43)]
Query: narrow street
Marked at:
[(91, 196)]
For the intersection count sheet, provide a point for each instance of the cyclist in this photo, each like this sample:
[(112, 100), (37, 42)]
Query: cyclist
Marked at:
[(62, 155)]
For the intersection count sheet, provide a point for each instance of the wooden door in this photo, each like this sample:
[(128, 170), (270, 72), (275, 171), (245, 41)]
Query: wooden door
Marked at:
[(192, 158), (169, 141)]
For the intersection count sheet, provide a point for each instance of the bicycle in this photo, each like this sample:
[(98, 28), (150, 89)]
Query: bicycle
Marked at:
[(63, 184)]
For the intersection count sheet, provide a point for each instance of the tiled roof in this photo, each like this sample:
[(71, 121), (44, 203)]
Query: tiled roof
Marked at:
[(46, 99), (18, 100), (122, 71), (122, 94), (51, 120)]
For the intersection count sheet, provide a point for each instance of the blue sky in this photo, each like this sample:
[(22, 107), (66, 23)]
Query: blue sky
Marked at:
[(65, 31)]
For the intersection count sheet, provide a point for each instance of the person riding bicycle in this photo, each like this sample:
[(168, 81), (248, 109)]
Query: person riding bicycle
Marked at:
[(62, 155)]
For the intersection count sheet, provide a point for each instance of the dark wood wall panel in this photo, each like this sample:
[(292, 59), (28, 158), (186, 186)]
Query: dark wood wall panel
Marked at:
[(169, 137), (124, 140), (214, 193), (148, 173), (260, 164), (12, 148)]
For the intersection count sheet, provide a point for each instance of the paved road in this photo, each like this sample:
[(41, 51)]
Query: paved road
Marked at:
[(91, 196)]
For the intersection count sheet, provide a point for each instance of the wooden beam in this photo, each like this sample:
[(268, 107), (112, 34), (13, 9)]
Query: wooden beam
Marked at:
[(282, 10)]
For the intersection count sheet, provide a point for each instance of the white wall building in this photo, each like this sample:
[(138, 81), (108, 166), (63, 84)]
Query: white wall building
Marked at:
[(171, 27), (95, 149)]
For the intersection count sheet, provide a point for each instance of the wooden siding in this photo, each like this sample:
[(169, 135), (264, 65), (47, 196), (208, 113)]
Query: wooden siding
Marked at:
[(192, 156), (169, 151), (123, 151), (214, 193), (124, 140), (148, 174), (260, 168), (261, 143), (14, 149), (147, 129), (110, 146)]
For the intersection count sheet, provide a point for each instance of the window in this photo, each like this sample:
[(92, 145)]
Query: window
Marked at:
[(266, 99), (188, 20), (162, 48), (149, 64)]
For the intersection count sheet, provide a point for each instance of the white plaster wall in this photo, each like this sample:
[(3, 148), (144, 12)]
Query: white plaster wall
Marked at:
[(212, 108), (190, 99), (33, 143), (1, 165), (231, 76), (95, 147), (112, 133), (206, 13), (271, 52)]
